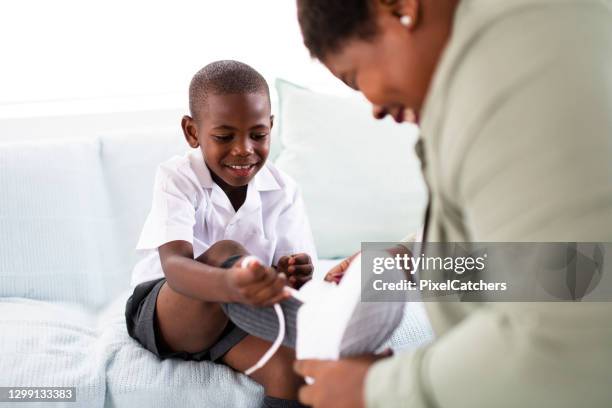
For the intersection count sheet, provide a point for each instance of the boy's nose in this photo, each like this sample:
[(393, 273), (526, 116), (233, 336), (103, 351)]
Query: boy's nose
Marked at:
[(243, 148)]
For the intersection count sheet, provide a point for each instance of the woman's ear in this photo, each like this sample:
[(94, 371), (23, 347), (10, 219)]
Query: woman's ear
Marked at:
[(406, 11), (190, 131), (271, 121)]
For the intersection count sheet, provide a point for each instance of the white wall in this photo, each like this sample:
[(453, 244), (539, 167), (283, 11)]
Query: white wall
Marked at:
[(73, 58)]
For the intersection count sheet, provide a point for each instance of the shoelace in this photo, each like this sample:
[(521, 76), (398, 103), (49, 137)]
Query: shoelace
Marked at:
[(281, 327)]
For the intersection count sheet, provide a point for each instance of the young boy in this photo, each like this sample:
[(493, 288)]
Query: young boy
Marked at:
[(211, 208)]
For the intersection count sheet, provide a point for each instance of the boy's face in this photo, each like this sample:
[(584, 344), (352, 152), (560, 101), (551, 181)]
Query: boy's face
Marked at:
[(233, 132)]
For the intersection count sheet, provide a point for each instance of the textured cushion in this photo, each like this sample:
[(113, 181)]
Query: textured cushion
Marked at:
[(129, 163), (136, 378), (413, 331), (56, 223), (56, 344), (53, 345), (360, 177)]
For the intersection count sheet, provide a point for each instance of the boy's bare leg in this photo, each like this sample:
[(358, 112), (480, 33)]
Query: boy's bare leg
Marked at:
[(277, 376), (191, 325)]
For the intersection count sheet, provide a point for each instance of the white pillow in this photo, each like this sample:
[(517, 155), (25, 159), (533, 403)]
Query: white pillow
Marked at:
[(360, 177), (129, 162), (57, 240)]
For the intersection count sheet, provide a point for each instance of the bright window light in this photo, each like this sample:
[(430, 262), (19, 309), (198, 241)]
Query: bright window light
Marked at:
[(142, 51)]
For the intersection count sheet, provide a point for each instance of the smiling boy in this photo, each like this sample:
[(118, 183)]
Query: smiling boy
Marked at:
[(212, 207)]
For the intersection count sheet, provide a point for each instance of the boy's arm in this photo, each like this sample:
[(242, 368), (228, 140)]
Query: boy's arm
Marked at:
[(254, 284), (190, 277)]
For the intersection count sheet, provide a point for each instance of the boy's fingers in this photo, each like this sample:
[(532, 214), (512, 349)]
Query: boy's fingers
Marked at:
[(297, 282), (268, 292), (301, 270), (304, 278), (253, 288), (254, 279), (301, 281), (276, 280), (277, 299), (260, 273), (299, 259), (271, 293), (243, 276), (283, 262), (253, 272)]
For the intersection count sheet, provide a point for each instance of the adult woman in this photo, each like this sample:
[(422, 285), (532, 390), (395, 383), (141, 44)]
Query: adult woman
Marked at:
[(514, 99)]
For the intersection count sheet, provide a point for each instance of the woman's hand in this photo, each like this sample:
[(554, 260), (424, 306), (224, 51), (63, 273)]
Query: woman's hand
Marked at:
[(297, 267), (336, 273), (337, 384)]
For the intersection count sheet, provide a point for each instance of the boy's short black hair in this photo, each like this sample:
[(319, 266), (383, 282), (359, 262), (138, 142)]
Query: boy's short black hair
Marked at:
[(222, 78), (326, 24)]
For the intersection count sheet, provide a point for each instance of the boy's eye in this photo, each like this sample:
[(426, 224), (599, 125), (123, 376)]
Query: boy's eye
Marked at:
[(259, 136), (222, 138)]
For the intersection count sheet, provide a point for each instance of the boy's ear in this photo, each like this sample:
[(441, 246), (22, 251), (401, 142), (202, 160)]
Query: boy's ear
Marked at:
[(271, 121), (190, 131)]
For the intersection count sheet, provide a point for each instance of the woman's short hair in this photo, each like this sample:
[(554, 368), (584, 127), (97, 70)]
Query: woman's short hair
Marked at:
[(327, 24)]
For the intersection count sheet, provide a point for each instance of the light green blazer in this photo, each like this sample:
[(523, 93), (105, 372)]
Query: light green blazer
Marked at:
[(517, 146)]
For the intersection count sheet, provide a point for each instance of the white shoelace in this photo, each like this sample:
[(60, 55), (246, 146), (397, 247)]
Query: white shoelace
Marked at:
[(281, 327)]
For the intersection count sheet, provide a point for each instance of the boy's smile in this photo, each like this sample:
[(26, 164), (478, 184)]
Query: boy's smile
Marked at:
[(233, 132)]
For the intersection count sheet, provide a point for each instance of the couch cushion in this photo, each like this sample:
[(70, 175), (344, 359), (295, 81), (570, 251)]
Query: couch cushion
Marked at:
[(136, 377), (414, 330), (53, 345), (56, 222), (129, 162), (58, 344), (360, 177)]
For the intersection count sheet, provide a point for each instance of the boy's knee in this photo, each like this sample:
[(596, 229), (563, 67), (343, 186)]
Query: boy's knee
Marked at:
[(218, 252)]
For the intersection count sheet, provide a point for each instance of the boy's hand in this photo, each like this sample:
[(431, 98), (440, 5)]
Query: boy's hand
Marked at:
[(256, 285), (336, 273), (297, 267)]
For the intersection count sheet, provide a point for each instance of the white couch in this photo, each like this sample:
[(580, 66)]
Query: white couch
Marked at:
[(71, 211)]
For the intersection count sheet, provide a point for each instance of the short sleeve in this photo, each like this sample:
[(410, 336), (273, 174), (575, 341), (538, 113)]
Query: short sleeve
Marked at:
[(294, 233), (172, 215)]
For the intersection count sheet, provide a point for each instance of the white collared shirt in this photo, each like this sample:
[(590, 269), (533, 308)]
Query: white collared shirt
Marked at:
[(189, 206)]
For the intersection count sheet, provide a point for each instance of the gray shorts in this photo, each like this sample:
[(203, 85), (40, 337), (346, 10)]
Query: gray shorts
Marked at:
[(141, 325), (244, 320)]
